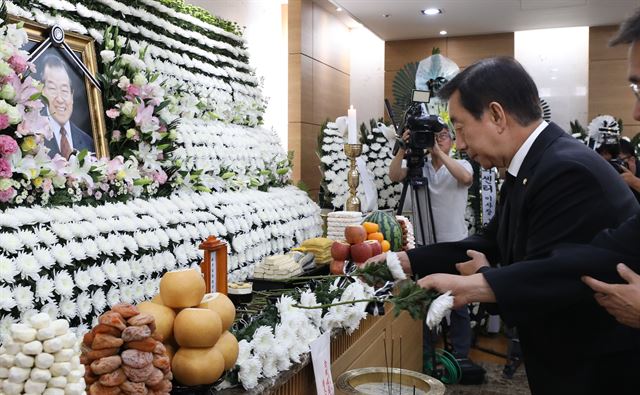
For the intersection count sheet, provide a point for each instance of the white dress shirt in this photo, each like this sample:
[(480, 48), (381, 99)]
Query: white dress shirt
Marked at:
[(518, 158), (55, 126)]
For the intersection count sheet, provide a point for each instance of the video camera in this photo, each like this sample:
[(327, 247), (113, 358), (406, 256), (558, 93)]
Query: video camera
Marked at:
[(609, 139)]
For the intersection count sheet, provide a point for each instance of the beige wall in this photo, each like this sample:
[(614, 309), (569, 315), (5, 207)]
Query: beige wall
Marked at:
[(318, 82), (462, 50), (609, 91)]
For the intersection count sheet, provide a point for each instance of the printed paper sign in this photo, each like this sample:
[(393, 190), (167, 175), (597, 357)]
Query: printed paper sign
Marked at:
[(321, 358)]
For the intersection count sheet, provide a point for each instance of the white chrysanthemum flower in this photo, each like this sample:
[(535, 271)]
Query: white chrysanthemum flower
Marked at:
[(91, 248), (138, 292), (47, 236), (44, 257), (81, 330), (151, 287), (438, 309), (28, 266), (7, 301), (129, 243), (28, 238), (111, 271), (282, 356), (97, 276), (126, 293), (10, 243), (146, 262), (68, 308), (64, 283), (8, 270), (113, 296), (393, 263), (83, 302), (244, 351), (250, 372), (61, 254), (117, 246), (103, 245), (99, 301), (5, 326), (24, 297), (158, 262), (124, 270), (269, 364), (82, 279), (285, 304), (63, 230), (51, 309), (44, 289), (76, 250), (263, 340)]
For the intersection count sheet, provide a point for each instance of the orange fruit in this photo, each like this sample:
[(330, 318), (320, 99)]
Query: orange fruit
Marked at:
[(386, 246), (371, 227), (375, 236)]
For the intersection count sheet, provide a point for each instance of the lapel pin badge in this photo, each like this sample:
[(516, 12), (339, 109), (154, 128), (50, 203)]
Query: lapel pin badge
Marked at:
[(524, 182)]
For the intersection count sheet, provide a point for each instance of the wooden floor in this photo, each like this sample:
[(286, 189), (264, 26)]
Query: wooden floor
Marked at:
[(485, 344)]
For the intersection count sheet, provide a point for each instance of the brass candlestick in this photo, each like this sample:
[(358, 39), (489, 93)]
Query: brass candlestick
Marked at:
[(353, 177)]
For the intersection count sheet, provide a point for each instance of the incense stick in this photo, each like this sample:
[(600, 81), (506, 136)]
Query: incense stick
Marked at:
[(400, 365), (386, 362), (393, 341)]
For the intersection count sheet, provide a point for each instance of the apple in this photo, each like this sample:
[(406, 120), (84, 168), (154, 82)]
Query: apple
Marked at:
[(376, 247), (340, 250), (361, 252), (355, 234), (336, 267)]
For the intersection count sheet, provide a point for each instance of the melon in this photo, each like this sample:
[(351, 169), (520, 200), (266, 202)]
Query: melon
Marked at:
[(389, 227), (221, 304), (163, 315), (228, 347), (197, 366), (182, 288), (195, 327)]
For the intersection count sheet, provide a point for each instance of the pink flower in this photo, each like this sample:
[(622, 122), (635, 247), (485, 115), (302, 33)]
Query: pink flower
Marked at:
[(4, 121), (8, 145), (5, 168), (18, 63), (160, 176), (33, 123), (114, 165), (113, 113), (7, 194), (47, 185), (133, 91), (116, 135)]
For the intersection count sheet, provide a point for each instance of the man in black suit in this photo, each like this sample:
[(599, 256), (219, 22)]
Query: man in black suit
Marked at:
[(556, 191), (59, 93)]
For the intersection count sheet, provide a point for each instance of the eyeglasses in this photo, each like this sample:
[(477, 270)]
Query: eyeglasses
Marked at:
[(635, 90), (443, 136)]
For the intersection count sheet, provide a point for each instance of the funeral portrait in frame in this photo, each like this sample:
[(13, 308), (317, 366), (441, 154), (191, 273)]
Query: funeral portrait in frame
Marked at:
[(72, 102)]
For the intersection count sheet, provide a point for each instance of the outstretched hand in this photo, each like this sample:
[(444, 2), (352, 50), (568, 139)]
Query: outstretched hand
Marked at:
[(472, 266), (620, 300), (465, 289)]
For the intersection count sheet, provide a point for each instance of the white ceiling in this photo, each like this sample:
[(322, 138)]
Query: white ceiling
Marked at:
[(469, 17)]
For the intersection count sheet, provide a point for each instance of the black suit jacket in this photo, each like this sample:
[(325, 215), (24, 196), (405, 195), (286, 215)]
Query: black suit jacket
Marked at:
[(81, 140), (564, 192)]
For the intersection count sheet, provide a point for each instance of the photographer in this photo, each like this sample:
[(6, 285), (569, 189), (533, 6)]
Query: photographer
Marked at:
[(629, 168), (449, 180)]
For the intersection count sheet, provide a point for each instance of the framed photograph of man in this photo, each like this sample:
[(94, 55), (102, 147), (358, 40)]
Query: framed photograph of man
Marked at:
[(73, 103)]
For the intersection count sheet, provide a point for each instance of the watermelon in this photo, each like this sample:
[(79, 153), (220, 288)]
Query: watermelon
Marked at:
[(389, 227)]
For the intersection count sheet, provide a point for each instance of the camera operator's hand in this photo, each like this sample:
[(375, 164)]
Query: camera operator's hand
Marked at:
[(396, 172), (405, 136), (630, 178), (436, 151), (472, 266)]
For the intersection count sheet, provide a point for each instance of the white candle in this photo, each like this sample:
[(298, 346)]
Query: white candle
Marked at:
[(353, 126)]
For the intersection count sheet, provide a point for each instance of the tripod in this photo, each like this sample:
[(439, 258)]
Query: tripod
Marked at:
[(425, 232)]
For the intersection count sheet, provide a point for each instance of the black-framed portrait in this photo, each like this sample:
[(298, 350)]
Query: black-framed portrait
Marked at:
[(73, 105)]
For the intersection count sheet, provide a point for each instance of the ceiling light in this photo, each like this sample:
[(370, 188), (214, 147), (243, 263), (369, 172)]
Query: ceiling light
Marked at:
[(432, 11), (443, 32), (338, 9)]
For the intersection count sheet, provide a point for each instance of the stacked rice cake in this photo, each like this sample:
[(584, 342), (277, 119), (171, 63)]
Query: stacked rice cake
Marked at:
[(277, 267), (408, 239), (320, 247), (337, 221)]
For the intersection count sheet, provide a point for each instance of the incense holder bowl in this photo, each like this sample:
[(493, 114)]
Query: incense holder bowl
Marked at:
[(385, 381)]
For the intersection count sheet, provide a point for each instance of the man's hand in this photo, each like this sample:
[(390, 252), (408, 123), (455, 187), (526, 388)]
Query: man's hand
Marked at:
[(620, 300), (630, 178), (402, 256), (465, 289), (472, 266)]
